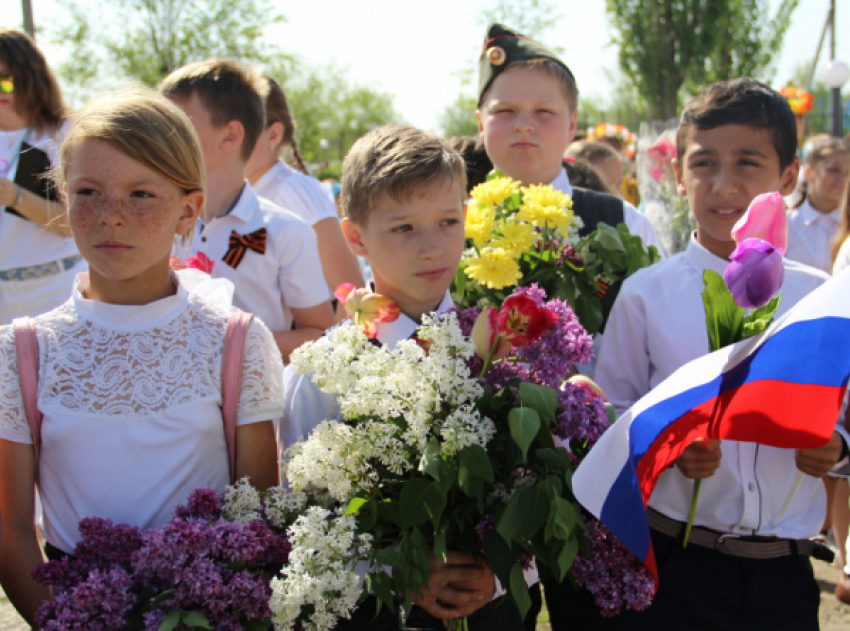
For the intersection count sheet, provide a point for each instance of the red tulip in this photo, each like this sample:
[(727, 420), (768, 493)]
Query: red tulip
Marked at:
[(484, 334), (521, 321)]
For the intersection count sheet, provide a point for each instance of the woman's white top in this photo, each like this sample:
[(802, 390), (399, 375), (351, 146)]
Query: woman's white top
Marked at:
[(131, 398), (301, 194), (810, 235), (22, 242), (842, 259)]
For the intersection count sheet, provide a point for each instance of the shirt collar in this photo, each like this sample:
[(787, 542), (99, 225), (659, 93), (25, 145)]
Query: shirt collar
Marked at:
[(562, 183), (810, 215), (391, 333), (701, 258), (245, 206)]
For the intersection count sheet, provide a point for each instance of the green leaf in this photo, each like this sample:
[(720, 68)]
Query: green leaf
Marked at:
[(459, 283), (389, 557), (541, 399), (757, 321), (380, 584), (448, 474), (389, 510), (195, 620), (567, 556), (355, 504), (171, 620), (508, 524), (420, 500), (432, 460), (609, 238), (588, 308), (499, 555), (524, 424), (533, 505), (440, 546), (611, 411), (558, 458), (519, 590), (723, 318), (476, 461)]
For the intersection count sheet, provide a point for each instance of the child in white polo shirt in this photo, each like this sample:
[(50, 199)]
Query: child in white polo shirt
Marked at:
[(269, 253)]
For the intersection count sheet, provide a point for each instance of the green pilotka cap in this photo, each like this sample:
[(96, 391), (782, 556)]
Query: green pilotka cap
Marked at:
[(502, 47)]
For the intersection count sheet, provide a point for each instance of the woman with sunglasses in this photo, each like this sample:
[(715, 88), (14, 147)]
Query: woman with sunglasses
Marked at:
[(38, 258)]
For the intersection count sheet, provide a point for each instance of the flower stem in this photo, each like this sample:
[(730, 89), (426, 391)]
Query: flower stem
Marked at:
[(489, 359), (692, 513)]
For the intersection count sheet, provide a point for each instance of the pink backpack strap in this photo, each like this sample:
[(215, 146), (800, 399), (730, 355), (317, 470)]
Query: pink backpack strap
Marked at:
[(231, 378), (26, 344)]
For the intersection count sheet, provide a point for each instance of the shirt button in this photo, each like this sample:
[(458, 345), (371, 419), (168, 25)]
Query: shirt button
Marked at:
[(751, 486), (203, 239)]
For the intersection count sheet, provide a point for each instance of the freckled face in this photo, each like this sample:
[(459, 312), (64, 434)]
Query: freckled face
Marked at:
[(123, 215)]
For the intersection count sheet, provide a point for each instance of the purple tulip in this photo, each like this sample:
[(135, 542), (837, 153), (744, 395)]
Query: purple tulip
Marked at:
[(755, 273)]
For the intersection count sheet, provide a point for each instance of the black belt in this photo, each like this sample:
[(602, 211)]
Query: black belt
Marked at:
[(745, 547)]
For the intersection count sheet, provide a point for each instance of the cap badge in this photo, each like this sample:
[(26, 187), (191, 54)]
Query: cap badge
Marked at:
[(496, 55)]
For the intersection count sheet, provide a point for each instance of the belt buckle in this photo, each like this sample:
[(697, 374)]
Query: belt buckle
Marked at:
[(722, 540)]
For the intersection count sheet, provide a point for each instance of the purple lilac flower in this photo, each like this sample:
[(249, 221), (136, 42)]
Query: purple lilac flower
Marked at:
[(569, 254), (615, 576), (580, 415), (101, 603), (485, 525), (63, 575), (203, 504), (105, 543)]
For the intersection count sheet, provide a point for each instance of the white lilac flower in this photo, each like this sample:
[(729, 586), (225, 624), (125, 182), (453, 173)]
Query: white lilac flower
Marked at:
[(242, 503)]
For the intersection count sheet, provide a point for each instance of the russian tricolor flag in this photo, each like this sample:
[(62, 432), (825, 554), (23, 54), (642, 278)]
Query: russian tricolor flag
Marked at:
[(783, 388)]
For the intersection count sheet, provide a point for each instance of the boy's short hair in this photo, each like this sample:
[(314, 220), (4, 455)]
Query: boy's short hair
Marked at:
[(474, 154), (745, 102), (552, 68), (395, 160), (593, 151), (227, 90)]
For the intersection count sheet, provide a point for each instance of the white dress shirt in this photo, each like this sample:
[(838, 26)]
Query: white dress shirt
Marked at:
[(289, 274), (810, 236), (842, 259), (656, 326), (300, 194)]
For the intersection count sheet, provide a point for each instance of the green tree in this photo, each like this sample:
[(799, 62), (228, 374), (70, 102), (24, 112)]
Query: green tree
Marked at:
[(330, 111), (147, 39), (529, 17), (458, 119), (670, 47)]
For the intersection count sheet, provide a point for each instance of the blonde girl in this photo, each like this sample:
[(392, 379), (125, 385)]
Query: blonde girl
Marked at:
[(296, 191), (812, 225), (38, 258), (130, 367)]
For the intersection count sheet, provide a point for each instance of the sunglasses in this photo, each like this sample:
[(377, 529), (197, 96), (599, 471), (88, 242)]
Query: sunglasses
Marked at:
[(7, 84)]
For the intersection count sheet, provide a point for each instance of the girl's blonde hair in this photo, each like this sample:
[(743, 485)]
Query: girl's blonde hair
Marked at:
[(277, 111), (147, 127), (821, 149)]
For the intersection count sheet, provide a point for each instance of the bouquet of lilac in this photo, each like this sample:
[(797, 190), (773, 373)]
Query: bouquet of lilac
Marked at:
[(210, 567), (605, 566)]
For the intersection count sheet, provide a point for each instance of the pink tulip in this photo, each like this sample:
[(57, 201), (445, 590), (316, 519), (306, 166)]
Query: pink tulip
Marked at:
[(662, 151), (367, 308), (657, 173), (765, 219), (485, 333)]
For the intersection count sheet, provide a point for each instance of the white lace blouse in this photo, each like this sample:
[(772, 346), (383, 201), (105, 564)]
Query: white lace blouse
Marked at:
[(131, 399)]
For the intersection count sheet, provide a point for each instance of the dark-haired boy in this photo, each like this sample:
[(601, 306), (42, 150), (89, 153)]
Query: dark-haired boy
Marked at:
[(402, 200), (741, 569), (269, 253)]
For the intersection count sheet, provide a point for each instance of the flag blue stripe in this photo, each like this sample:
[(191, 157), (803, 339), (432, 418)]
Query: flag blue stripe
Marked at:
[(624, 514)]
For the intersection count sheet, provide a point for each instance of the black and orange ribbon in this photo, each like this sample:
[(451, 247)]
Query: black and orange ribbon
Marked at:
[(603, 289), (239, 246)]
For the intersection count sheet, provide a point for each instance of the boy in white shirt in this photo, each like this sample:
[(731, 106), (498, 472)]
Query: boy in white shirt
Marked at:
[(270, 254), (735, 141), (402, 200)]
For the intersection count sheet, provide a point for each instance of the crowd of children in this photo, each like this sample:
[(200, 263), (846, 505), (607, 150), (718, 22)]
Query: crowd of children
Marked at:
[(129, 368)]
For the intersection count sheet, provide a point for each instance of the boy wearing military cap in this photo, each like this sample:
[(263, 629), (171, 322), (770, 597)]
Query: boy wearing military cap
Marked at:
[(527, 116)]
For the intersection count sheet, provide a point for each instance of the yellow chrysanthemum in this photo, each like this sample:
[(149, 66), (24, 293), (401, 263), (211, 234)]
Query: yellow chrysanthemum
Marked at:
[(546, 207), (495, 191), (479, 224), (517, 237), (495, 268)]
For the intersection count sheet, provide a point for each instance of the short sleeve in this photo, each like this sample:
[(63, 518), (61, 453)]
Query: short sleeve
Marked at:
[(14, 426), (639, 224), (305, 406), (261, 389), (302, 281), (307, 198)]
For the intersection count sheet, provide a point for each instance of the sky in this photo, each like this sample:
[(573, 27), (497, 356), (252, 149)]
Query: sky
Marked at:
[(415, 50)]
